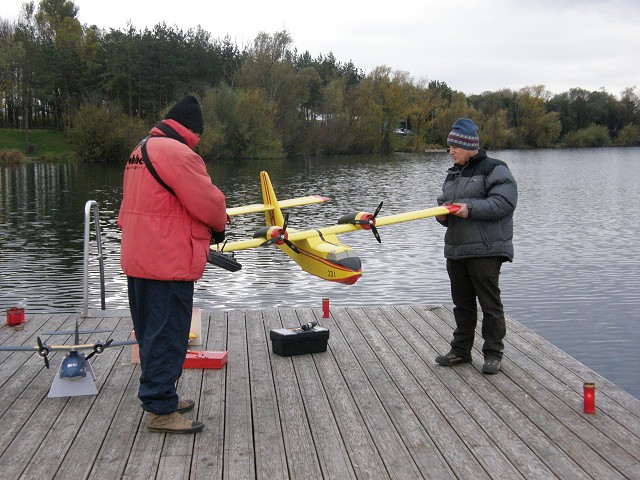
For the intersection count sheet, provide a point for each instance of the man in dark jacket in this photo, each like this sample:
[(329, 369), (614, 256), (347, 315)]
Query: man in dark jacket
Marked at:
[(477, 241)]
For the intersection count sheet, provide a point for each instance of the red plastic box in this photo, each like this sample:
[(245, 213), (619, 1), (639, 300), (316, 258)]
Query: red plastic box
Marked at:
[(203, 359)]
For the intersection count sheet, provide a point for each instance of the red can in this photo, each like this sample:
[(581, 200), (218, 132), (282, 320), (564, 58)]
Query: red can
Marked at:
[(325, 307), (15, 316), (589, 392)]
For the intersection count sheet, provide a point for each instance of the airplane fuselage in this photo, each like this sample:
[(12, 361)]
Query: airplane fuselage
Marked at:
[(73, 366), (327, 258)]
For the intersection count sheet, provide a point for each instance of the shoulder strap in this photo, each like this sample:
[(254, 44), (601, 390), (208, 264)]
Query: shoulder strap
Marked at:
[(151, 168)]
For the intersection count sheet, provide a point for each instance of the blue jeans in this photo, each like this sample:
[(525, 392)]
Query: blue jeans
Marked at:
[(161, 314), (471, 279)]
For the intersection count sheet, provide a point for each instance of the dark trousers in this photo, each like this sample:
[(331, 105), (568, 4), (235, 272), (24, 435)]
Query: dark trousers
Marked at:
[(471, 279), (161, 314)]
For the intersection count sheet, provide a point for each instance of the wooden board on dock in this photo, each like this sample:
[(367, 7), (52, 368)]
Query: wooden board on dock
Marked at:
[(375, 405)]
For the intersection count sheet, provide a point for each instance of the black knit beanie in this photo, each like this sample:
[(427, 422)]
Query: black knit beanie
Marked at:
[(187, 112)]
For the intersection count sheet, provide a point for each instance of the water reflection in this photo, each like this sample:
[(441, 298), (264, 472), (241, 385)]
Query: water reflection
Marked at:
[(574, 279)]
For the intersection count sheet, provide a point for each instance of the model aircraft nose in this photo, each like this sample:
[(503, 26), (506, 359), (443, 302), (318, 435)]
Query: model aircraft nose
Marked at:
[(355, 265)]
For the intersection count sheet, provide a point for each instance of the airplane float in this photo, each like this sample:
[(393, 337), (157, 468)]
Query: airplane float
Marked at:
[(75, 375), (317, 251)]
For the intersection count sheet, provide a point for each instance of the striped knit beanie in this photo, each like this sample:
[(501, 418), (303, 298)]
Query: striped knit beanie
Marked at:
[(464, 134)]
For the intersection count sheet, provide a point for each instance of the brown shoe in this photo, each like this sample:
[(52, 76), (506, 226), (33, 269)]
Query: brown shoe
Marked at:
[(172, 423), (185, 405)]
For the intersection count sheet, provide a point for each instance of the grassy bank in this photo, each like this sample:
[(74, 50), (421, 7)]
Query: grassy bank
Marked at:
[(43, 145)]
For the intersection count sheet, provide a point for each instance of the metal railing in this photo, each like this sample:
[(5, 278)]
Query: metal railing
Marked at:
[(92, 205)]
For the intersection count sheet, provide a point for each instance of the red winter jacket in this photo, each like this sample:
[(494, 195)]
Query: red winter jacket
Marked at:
[(165, 236)]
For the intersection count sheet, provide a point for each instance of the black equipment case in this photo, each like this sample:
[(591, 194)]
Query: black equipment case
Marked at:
[(297, 341)]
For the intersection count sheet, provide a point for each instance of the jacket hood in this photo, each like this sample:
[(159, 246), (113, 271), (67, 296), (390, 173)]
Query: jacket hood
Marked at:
[(185, 135)]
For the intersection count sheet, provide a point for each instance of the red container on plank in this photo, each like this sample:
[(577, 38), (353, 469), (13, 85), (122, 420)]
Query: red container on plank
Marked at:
[(15, 316), (589, 391), (325, 307), (203, 359)]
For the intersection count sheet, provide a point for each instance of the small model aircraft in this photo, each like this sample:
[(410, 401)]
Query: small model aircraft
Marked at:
[(71, 379), (317, 251)]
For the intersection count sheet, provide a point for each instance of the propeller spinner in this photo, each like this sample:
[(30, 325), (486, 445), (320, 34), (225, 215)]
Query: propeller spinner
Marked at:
[(43, 351), (278, 236), (98, 348)]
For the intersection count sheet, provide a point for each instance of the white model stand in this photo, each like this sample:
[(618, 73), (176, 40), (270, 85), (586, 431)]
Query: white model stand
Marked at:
[(65, 387)]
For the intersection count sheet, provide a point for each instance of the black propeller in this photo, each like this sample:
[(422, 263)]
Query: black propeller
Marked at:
[(367, 221), (43, 351), (281, 237), (98, 348)]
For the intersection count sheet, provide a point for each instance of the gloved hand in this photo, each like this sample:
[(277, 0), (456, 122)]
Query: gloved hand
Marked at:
[(217, 237)]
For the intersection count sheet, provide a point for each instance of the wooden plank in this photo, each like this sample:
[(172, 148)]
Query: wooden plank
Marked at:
[(514, 381), (374, 406), (614, 443), (270, 456), (571, 374), (113, 374), (477, 428), (395, 456), (567, 386), (626, 401), (144, 458), (456, 432), (423, 451), (238, 450), (29, 435), (177, 451), (11, 361), (18, 370), (209, 444), (332, 455), (363, 454), (117, 443), (527, 449), (302, 458), (32, 415)]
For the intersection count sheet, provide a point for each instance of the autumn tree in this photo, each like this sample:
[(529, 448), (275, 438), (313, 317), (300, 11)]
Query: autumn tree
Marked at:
[(424, 108), (534, 126)]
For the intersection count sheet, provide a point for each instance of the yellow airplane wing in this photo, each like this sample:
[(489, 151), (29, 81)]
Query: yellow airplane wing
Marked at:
[(414, 215), (343, 228), (291, 202), (380, 221)]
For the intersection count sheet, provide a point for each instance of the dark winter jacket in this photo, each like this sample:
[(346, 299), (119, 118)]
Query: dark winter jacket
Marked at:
[(488, 188)]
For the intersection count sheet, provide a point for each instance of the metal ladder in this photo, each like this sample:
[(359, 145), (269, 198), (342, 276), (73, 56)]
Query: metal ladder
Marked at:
[(88, 207)]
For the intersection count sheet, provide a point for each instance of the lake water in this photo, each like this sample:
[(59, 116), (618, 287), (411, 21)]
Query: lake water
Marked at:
[(574, 279)]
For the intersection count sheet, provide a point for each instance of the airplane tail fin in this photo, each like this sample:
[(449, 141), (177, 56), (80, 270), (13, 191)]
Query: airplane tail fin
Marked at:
[(274, 216)]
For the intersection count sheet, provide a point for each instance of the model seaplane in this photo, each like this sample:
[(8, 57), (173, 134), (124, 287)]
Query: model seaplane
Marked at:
[(317, 251), (75, 375)]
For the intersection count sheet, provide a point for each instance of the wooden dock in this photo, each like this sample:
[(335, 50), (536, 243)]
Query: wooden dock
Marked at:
[(374, 406)]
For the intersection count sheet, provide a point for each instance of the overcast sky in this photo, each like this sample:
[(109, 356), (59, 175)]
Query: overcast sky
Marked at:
[(471, 45)]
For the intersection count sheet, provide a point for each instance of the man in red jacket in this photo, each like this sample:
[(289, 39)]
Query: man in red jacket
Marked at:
[(170, 212)]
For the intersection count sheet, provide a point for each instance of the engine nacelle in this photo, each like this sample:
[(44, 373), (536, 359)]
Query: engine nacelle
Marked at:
[(364, 220), (272, 232)]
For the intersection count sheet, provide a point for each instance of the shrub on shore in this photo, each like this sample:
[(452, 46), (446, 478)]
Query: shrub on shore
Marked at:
[(12, 156)]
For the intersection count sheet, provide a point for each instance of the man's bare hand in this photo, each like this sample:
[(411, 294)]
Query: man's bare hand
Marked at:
[(463, 212)]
